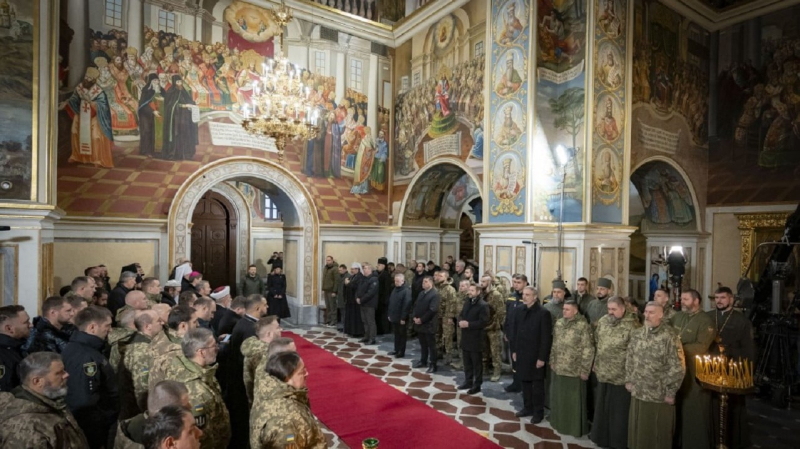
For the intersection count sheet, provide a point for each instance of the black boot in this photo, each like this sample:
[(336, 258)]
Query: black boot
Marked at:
[(432, 368), (419, 364)]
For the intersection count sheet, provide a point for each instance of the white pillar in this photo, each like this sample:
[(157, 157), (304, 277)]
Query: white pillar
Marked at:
[(78, 20), (372, 95), (340, 76), (135, 24), (216, 33), (198, 27), (188, 27)]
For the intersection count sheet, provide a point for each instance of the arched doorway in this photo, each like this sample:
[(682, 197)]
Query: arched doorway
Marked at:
[(298, 213), (214, 228)]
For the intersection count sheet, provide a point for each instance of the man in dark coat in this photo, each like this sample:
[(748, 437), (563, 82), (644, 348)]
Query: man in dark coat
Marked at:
[(276, 294), (514, 300), (92, 394), (426, 315), (530, 349), (52, 330), (116, 299), (149, 104), (180, 132), (231, 316), (15, 327), (399, 310), (367, 297), (472, 321), (385, 288), (236, 400)]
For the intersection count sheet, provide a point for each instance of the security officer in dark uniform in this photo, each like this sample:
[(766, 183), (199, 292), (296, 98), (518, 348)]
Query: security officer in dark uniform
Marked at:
[(15, 327), (518, 283), (92, 394)]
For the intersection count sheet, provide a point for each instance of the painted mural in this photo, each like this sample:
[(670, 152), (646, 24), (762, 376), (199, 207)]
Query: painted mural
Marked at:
[(464, 192), (509, 122), (666, 198), (441, 113), (424, 203), (610, 87), (17, 27), (560, 109), (155, 115), (758, 112)]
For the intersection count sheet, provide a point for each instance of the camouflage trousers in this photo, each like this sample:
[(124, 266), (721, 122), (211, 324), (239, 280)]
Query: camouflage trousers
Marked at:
[(494, 349), (448, 331)]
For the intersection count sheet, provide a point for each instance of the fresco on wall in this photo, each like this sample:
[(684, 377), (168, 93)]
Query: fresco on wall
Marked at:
[(560, 109), (424, 202), (464, 192), (441, 113), (758, 113), (666, 197), (509, 117), (156, 115), (16, 98), (610, 89)]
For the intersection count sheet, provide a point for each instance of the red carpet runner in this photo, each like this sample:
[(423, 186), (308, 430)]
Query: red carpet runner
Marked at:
[(355, 405)]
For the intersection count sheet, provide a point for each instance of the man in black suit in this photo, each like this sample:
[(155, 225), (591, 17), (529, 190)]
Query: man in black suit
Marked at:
[(236, 400), (231, 315), (426, 311), (367, 296), (530, 348), (472, 321)]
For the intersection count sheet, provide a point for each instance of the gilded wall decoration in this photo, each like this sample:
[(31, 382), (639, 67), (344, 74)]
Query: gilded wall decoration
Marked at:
[(488, 258), (520, 259), (755, 229)]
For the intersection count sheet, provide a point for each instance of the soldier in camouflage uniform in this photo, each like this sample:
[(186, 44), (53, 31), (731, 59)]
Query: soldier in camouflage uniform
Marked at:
[(254, 349), (120, 337), (662, 298), (497, 315), (596, 308), (278, 345), (195, 367), (133, 373), (654, 370), (612, 336), (34, 414), (166, 345), (152, 291), (136, 300), (582, 296), (130, 432), (571, 359), (284, 416), (82, 287), (448, 305)]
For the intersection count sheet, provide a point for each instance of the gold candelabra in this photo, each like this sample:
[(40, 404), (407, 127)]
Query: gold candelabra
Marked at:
[(280, 107), (725, 377)]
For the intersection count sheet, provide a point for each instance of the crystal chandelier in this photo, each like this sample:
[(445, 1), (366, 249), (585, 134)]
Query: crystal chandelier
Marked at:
[(280, 107)]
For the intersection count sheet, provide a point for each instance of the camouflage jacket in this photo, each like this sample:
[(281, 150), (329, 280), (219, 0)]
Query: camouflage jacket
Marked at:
[(456, 306), (283, 416), (153, 299), (130, 431), (583, 302), (556, 310), (163, 348), (136, 366), (573, 349), (499, 286), (31, 421), (448, 300), (118, 340), (654, 364), (669, 314), (596, 309), (205, 396), (254, 352), (497, 310), (612, 338)]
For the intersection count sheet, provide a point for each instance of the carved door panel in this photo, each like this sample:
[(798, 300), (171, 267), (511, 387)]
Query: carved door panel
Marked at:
[(213, 240)]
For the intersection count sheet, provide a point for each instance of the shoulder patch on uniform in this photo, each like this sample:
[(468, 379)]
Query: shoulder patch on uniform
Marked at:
[(199, 413), (90, 369), (2, 371), (290, 438)]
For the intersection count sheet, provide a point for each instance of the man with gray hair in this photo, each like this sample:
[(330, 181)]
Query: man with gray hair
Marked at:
[(34, 413), (136, 300), (130, 432), (116, 299), (132, 375), (194, 368)]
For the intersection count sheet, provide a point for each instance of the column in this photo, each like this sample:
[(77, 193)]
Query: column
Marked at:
[(216, 33), (198, 26), (341, 74), (372, 94), (713, 88), (188, 26), (78, 20), (752, 41), (135, 24)]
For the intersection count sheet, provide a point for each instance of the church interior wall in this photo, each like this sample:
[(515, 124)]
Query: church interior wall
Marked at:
[(727, 249), (349, 252), (72, 255), (265, 241)]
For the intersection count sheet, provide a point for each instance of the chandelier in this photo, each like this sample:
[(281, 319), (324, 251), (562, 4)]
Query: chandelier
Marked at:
[(279, 106)]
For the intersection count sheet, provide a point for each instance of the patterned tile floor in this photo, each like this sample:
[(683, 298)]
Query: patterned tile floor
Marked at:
[(491, 413)]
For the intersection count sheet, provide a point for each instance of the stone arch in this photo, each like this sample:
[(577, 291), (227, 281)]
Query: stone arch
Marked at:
[(424, 170), (686, 180), (242, 168), (242, 210)]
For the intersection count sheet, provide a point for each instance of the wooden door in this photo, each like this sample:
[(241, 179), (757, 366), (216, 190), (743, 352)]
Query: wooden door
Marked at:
[(214, 240)]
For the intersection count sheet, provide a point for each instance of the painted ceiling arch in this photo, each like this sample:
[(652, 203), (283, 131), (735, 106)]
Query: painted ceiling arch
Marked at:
[(666, 197), (427, 198)]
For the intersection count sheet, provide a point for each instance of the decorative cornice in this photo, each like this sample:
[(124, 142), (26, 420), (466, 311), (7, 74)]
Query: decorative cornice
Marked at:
[(714, 20)]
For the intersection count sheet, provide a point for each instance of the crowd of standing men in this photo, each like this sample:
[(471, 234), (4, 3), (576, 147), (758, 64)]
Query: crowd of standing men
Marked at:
[(186, 366)]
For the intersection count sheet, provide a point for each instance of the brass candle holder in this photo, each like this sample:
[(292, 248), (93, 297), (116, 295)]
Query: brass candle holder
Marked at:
[(725, 377)]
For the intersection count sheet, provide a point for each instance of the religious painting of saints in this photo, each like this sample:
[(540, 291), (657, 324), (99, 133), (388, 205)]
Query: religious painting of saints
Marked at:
[(18, 99), (510, 73), (607, 174), (250, 22), (443, 33), (562, 34), (510, 22), (665, 195), (611, 17), (609, 120), (610, 64), (508, 176), (509, 123)]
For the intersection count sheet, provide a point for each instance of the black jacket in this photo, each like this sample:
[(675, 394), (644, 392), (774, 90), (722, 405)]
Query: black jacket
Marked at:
[(276, 285), (400, 304), (416, 286), (92, 393), (45, 337), (227, 322), (116, 299), (513, 301), (476, 312), (367, 291), (533, 336), (236, 399), (275, 262), (10, 356), (168, 300), (426, 309)]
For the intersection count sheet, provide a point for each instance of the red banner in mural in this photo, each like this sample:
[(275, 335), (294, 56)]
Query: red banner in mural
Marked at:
[(263, 48)]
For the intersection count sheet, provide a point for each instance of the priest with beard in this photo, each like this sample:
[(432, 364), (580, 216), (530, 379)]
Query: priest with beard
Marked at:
[(180, 132)]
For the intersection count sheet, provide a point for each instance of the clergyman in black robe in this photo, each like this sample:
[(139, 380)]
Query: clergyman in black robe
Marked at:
[(147, 116), (180, 132)]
